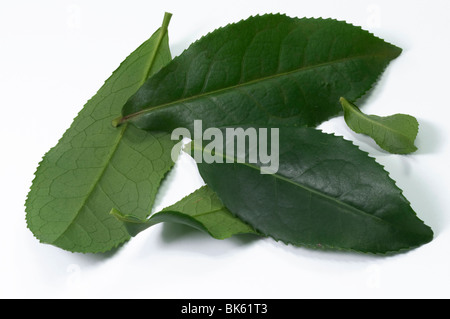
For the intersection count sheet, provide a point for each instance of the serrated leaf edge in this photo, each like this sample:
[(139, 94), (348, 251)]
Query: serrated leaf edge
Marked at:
[(166, 21)]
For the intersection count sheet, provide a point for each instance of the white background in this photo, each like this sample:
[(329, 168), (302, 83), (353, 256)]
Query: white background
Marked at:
[(55, 55)]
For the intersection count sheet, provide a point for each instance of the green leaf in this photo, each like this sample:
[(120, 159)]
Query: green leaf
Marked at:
[(326, 193), (269, 69), (95, 167), (395, 134), (202, 210)]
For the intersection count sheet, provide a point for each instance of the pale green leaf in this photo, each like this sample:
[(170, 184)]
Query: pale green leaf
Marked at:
[(202, 210), (96, 167), (395, 134)]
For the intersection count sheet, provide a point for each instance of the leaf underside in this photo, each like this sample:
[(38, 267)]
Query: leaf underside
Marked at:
[(202, 210), (269, 69), (395, 133), (327, 193), (95, 167)]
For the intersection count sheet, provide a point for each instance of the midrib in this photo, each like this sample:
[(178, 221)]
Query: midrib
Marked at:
[(149, 109), (367, 118), (96, 180), (208, 212)]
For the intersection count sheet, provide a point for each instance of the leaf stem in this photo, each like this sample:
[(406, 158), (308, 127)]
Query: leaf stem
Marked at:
[(163, 31), (117, 122)]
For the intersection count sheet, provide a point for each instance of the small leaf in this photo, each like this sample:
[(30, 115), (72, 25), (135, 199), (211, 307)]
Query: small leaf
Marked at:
[(269, 69), (395, 134), (326, 193), (202, 210), (95, 166)]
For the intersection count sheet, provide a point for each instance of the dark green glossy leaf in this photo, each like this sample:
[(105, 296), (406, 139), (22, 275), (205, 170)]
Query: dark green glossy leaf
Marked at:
[(326, 193), (395, 134), (266, 69), (202, 210), (95, 167)]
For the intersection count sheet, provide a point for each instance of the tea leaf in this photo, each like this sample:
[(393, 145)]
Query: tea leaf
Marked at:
[(327, 193), (202, 210), (395, 134), (269, 69), (95, 167)]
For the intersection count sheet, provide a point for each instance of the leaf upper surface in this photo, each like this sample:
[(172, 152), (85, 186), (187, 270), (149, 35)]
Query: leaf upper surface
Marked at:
[(95, 167), (266, 69), (326, 193)]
